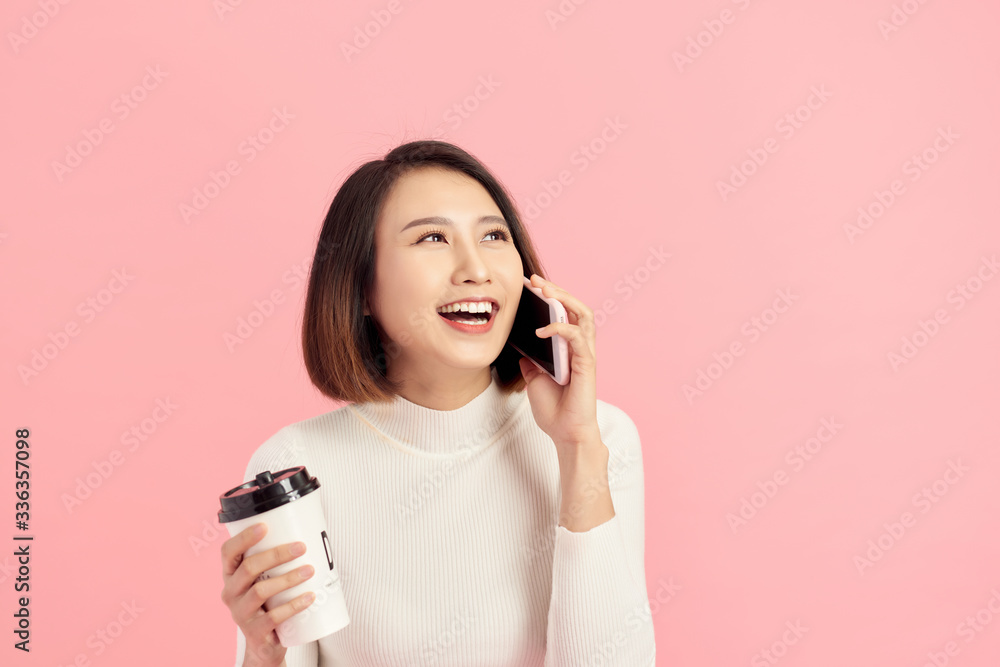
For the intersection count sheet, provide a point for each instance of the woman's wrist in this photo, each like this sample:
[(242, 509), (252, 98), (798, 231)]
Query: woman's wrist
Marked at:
[(585, 498), (254, 659)]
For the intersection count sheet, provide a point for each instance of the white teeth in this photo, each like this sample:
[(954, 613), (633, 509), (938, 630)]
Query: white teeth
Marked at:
[(468, 307)]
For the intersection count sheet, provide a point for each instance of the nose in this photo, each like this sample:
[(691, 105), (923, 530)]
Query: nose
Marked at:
[(471, 264)]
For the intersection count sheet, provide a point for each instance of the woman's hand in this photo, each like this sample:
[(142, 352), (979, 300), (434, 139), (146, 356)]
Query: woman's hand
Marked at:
[(568, 414), (245, 598)]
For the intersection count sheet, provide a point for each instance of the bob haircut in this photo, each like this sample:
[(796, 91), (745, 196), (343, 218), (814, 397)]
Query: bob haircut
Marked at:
[(343, 348)]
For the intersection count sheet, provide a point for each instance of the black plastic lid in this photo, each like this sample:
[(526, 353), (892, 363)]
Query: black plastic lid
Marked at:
[(265, 492)]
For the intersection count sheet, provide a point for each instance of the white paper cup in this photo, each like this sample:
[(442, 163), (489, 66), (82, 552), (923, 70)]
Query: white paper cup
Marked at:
[(288, 503)]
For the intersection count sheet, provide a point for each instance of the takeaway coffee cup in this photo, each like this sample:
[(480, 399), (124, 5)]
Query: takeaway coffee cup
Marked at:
[(288, 502)]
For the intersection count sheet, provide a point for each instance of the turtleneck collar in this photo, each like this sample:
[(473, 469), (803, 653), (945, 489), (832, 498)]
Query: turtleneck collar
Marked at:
[(464, 430)]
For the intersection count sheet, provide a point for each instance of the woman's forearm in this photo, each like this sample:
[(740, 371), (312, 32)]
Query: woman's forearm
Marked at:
[(586, 498)]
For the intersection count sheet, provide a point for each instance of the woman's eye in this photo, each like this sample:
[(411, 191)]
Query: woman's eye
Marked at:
[(499, 233)]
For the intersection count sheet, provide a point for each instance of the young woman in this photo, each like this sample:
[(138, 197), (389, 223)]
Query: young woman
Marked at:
[(479, 512)]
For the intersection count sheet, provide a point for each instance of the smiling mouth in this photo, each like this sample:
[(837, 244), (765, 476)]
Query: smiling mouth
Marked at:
[(473, 319)]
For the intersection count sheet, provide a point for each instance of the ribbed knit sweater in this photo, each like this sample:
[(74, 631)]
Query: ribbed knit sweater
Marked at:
[(444, 527)]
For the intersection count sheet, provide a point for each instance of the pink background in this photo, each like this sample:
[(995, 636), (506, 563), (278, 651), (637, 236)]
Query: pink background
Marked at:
[(721, 592)]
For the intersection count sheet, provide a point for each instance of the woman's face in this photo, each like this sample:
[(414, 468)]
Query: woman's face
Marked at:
[(421, 267)]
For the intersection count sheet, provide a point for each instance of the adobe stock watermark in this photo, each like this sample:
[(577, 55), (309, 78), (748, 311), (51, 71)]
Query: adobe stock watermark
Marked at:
[(779, 647), (786, 126), (248, 149), (584, 156), (319, 603), (635, 620), (619, 463), (7, 569), (365, 34), (121, 108), (296, 276), (223, 7), (247, 326), (923, 500), (432, 650), (796, 458), (703, 39), (105, 636), (630, 283), (419, 494), (968, 629), (88, 310), (210, 531), (433, 481), (463, 110), (208, 534), (561, 12), (914, 166), (898, 17), (104, 468), (927, 330), (32, 24), (752, 329)]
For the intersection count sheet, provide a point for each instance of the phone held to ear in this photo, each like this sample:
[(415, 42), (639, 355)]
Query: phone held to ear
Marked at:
[(534, 311)]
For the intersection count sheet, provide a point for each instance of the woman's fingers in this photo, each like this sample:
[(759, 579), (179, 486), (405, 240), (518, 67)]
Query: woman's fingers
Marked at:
[(261, 591), (257, 564), (263, 624), (245, 596), (253, 566), (571, 303), (234, 548), (579, 346), (580, 314)]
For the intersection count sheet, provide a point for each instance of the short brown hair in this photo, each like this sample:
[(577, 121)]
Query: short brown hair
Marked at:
[(343, 350)]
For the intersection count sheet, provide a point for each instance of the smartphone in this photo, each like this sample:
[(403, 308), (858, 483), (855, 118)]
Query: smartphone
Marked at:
[(550, 354)]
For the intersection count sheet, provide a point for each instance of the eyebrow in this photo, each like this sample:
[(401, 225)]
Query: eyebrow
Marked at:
[(447, 222)]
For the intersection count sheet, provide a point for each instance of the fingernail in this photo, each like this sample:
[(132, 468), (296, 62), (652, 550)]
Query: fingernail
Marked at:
[(258, 530), (305, 571), (298, 549)]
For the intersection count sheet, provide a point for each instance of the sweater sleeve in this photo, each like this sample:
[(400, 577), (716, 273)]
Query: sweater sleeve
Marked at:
[(282, 450), (599, 612)]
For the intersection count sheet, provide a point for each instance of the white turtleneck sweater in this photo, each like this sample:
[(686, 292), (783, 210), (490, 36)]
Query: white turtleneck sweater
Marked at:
[(444, 527)]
